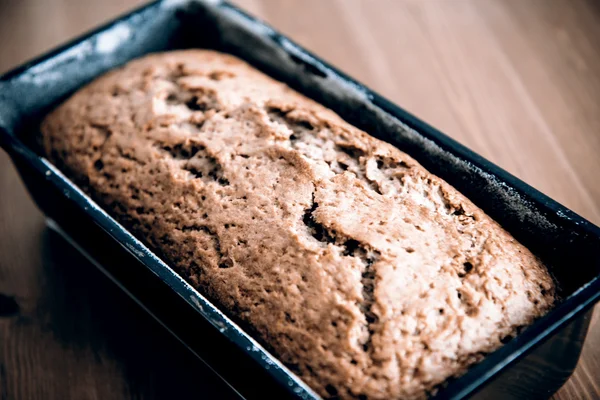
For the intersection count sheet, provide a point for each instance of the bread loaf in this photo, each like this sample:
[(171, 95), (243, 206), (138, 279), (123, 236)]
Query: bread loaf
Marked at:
[(364, 273)]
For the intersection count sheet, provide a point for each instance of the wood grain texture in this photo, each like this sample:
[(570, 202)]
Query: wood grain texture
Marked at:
[(516, 81)]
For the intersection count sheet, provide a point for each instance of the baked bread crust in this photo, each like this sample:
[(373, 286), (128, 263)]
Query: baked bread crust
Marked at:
[(366, 274)]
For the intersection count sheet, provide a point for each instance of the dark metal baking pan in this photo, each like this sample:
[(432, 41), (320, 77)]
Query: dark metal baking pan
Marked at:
[(533, 365)]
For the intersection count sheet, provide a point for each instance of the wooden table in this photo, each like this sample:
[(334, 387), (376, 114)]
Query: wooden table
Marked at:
[(517, 81)]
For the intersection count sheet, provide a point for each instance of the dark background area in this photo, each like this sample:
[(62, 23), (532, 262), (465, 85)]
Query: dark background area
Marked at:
[(516, 81)]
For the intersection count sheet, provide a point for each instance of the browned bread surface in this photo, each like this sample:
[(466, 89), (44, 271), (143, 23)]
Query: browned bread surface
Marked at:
[(366, 274)]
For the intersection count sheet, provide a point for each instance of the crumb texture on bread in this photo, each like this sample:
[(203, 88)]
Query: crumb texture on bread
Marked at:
[(364, 273)]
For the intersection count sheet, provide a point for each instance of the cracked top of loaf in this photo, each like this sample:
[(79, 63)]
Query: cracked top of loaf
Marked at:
[(364, 273)]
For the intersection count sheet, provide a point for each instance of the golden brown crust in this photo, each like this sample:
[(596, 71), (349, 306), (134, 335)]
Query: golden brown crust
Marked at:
[(363, 272)]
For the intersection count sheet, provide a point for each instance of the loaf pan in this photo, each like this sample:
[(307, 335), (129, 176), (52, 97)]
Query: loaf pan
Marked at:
[(533, 365)]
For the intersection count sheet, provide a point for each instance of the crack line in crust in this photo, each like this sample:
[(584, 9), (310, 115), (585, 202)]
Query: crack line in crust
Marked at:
[(307, 136), (360, 251), (196, 160)]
